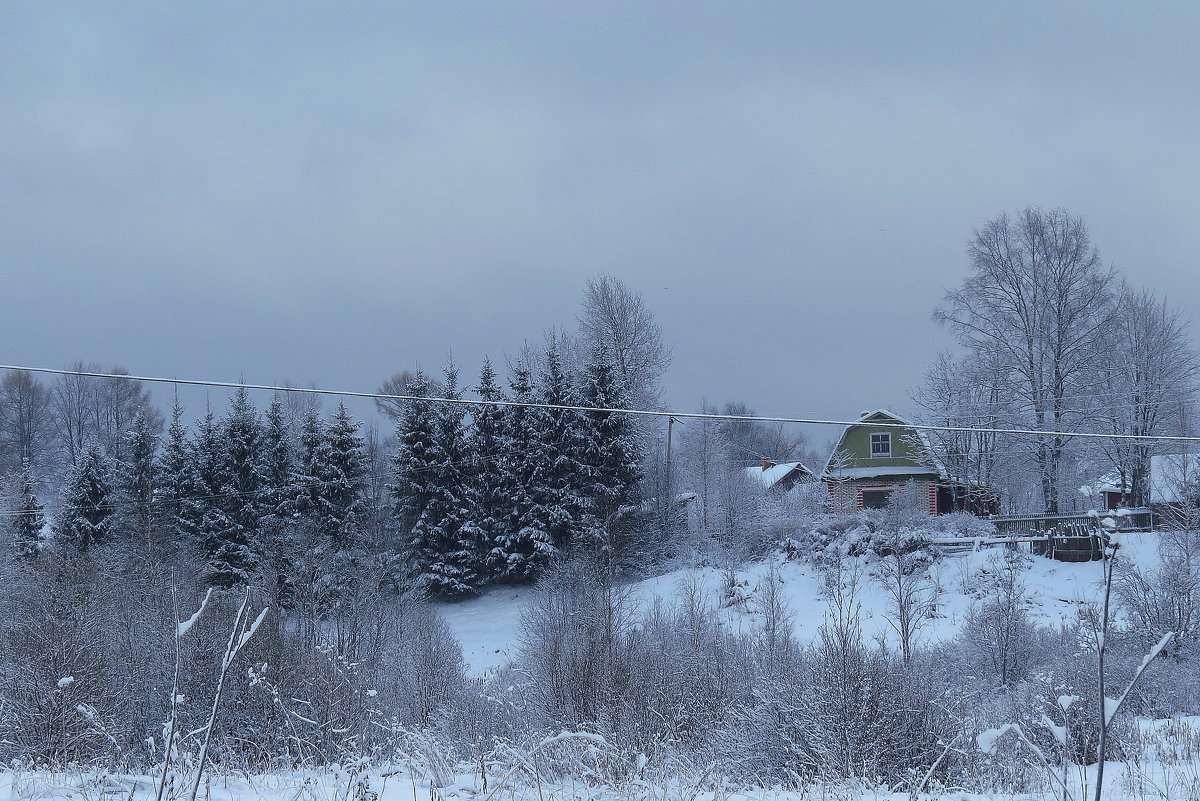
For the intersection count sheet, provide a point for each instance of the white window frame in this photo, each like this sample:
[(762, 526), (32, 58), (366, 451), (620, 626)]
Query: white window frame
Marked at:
[(887, 438)]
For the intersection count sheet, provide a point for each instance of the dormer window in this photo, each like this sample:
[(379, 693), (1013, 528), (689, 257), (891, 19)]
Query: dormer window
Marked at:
[(881, 444)]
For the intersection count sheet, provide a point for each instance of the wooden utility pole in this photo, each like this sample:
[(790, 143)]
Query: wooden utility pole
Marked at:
[(668, 489), (670, 426)]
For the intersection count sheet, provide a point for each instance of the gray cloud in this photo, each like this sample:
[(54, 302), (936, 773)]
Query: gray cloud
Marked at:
[(329, 193)]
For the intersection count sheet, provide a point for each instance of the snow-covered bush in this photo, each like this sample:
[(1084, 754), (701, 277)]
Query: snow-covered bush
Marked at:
[(961, 524), (1165, 598), (1174, 689), (867, 533), (1000, 640), (687, 673), (575, 639), (1071, 672), (875, 532), (329, 698), (664, 681), (78, 648), (845, 710)]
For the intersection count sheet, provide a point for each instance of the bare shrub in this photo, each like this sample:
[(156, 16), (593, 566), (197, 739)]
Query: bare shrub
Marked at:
[(844, 709), (686, 675), (574, 642), (998, 631), (912, 594), (1154, 601)]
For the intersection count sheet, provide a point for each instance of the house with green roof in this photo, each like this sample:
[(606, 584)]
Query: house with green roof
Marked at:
[(882, 453)]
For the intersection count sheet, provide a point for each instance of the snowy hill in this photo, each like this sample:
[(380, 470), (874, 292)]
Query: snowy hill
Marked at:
[(488, 627)]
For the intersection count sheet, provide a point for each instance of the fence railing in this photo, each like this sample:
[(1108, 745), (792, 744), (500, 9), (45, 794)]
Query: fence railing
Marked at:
[(1122, 520), (1069, 538)]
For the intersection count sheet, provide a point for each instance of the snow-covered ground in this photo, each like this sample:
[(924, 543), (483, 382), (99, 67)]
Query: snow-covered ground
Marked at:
[(488, 627), (399, 784), (1158, 775)]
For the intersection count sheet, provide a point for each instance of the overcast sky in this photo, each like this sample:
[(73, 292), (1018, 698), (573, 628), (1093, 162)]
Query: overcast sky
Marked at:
[(331, 192)]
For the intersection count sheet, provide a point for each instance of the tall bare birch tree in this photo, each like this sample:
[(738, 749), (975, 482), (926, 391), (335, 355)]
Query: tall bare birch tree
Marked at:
[(25, 423), (1037, 301), (1147, 385), (968, 393), (615, 317)]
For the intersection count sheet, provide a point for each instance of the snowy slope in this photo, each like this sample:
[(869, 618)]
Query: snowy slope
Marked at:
[(488, 626)]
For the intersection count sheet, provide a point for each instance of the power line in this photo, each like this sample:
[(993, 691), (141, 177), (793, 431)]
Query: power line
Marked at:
[(597, 409), (297, 485), (1005, 406)]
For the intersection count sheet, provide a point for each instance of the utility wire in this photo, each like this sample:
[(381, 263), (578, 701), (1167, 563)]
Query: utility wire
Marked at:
[(297, 485), (1005, 406), (598, 409)]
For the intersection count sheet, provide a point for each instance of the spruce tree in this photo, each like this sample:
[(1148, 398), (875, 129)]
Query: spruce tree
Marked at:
[(339, 505), (522, 546), (279, 497), (305, 558), (459, 568), (174, 475), (238, 549), (414, 460), (280, 504), (241, 432), (30, 519), (308, 461), (341, 479), (429, 506), (560, 476), (376, 514), (484, 483), (202, 516), (610, 455), (87, 506), (138, 476), (330, 471)]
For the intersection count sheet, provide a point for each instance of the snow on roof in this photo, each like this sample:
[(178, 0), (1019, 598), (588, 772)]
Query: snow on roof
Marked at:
[(880, 472), (772, 475), (1109, 482), (865, 415), (1172, 475)]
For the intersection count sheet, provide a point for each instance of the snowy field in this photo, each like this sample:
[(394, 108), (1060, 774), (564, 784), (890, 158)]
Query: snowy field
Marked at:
[(488, 627)]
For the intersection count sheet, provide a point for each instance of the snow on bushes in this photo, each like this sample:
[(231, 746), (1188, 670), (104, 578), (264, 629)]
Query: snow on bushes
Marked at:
[(872, 532)]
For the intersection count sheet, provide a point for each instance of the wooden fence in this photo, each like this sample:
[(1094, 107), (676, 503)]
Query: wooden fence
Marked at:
[(1068, 538), (1123, 520)]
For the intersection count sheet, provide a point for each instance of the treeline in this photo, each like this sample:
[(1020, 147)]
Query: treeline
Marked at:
[(48, 428), (481, 485), (473, 494), (1054, 340)]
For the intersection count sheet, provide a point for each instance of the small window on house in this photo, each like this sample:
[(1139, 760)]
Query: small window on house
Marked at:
[(881, 444)]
